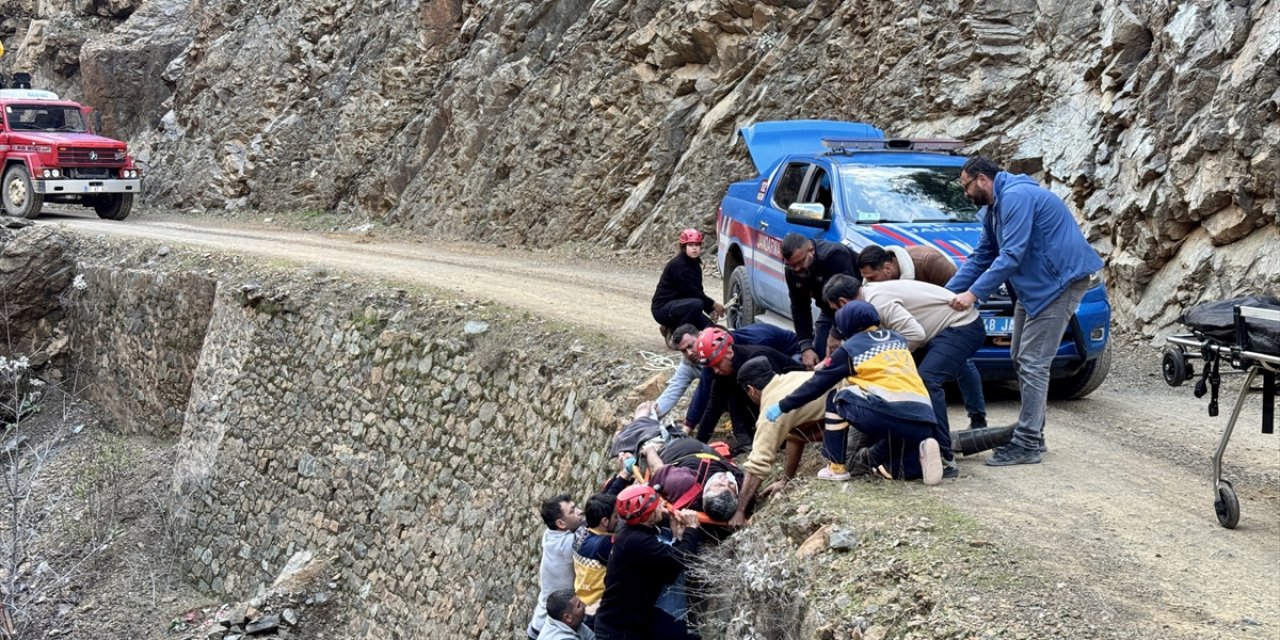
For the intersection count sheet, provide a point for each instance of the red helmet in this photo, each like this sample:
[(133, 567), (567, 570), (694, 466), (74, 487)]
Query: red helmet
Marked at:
[(713, 344), (636, 503), (690, 236)]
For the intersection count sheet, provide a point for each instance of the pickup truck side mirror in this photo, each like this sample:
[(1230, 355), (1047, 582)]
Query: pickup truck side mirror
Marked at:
[(808, 214)]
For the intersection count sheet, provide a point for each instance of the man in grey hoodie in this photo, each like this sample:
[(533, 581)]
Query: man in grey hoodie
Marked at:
[(565, 613), (565, 528)]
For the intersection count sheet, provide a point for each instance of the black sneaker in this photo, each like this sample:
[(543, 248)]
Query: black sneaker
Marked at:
[(977, 421), (950, 470), (859, 464), (1012, 454)]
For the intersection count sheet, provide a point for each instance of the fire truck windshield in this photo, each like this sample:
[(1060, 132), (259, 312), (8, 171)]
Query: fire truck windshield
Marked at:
[(44, 117)]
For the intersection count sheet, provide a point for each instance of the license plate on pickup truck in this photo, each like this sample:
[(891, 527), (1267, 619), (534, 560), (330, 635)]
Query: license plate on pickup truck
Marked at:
[(998, 326), (94, 188)]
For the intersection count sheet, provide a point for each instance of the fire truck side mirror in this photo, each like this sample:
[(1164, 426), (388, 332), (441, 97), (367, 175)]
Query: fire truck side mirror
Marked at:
[(96, 119)]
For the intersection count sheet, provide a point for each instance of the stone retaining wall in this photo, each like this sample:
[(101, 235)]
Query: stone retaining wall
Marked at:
[(134, 340), (407, 441)]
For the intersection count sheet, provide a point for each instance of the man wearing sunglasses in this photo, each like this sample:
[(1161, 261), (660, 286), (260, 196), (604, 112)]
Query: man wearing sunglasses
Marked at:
[(1030, 241)]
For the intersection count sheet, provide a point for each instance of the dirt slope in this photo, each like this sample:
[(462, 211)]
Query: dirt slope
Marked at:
[(1122, 503)]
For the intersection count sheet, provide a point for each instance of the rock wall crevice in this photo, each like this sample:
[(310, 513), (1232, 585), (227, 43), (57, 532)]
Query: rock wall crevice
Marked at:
[(135, 338)]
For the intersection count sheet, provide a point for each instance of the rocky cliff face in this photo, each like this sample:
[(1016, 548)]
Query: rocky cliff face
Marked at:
[(613, 120)]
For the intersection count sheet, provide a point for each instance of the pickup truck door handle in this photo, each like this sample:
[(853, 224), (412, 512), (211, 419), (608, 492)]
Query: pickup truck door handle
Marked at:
[(764, 224)]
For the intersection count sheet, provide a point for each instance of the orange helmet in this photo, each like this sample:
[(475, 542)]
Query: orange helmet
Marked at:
[(690, 236), (713, 343), (636, 503)]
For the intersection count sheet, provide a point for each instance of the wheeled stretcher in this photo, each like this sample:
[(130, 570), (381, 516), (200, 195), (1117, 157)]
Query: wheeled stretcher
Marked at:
[(1251, 346)]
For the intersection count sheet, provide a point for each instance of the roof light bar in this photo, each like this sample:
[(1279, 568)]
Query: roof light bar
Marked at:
[(852, 145)]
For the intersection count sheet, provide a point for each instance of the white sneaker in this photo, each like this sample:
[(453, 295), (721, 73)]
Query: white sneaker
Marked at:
[(930, 461), (826, 473)]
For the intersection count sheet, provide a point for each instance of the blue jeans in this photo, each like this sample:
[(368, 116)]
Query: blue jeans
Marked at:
[(970, 383), (945, 357), (673, 598), (1035, 342)]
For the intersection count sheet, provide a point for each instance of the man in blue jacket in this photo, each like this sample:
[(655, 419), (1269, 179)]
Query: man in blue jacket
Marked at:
[(1030, 241)]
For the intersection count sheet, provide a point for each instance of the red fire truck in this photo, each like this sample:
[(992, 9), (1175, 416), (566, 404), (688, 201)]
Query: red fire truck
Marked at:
[(51, 153)]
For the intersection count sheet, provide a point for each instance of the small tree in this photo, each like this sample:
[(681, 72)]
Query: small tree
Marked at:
[(23, 465), (27, 577)]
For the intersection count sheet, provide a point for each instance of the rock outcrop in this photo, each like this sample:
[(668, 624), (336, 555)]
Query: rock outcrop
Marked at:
[(37, 269), (614, 120)]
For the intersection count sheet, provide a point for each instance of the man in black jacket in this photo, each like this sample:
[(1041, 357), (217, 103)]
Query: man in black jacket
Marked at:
[(810, 263), (716, 349), (640, 565)]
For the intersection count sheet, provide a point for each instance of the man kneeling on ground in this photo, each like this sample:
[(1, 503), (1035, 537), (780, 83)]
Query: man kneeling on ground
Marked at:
[(885, 399)]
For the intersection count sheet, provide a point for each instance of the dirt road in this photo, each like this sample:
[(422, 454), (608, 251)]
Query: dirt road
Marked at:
[(1121, 506)]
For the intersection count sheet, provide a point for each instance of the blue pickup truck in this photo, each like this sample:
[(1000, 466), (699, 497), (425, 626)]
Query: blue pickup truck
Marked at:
[(847, 182)]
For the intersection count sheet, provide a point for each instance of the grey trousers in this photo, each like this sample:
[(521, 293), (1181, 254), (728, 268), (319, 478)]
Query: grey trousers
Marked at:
[(1035, 342)]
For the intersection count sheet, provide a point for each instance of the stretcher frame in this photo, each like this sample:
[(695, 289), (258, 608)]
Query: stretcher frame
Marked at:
[(1238, 354)]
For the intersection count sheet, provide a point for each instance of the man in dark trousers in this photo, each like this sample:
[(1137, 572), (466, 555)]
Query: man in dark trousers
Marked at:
[(925, 264), (810, 263), (716, 349), (641, 565)]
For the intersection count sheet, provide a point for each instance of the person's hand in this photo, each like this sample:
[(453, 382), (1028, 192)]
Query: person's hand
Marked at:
[(809, 359), (738, 519), (773, 413), (649, 447), (963, 301), (688, 517), (717, 311), (774, 489), (623, 458)]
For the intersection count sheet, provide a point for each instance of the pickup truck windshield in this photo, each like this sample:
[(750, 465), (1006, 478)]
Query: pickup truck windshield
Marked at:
[(44, 117), (877, 194)]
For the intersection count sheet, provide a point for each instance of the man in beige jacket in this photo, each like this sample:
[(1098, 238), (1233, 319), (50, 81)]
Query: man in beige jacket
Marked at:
[(926, 264), (767, 387)]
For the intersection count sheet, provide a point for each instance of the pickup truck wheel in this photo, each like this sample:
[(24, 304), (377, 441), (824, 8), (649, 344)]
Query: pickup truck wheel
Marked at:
[(1085, 381), (19, 198), (743, 311), (115, 206)]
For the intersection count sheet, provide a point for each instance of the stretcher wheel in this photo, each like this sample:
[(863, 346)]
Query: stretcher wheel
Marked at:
[(1174, 366), (1227, 506)]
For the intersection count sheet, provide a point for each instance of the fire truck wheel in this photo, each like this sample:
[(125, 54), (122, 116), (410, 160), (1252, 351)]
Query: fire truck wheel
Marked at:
[(19, 198), (114, 207)]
